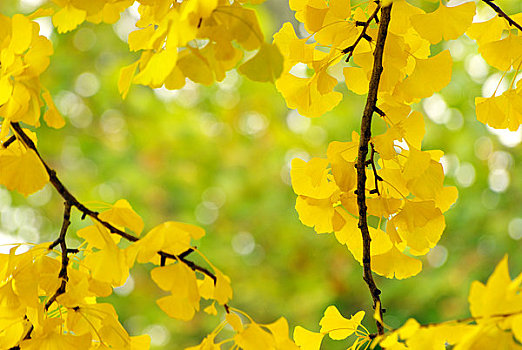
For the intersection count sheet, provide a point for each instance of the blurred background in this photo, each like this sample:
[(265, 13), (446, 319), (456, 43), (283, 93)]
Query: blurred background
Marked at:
[(219, 157)]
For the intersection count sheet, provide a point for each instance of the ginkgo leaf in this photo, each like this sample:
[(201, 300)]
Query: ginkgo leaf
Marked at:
[(316, 213), (393, 263), (303, 94), (181, 281), (503, 54), (206, 287), (52, 117), (420, 224), (211, 309), (223, 291), (307, 340), (498, 296), (122, 214), (516, 326), (337, 326), (429, 76), (356, 80), (279, 330), (171, 237), (176, 307), (500, 112), (254, 337), (126, 77), (292, 48), (21, 34), (445, 22), (157, 68), (140, 39), (6, 89), (98, 236), (11, 332), (484, 32), (234, 320), (265, 66), (23, 172), (351, 235), (68, 18), (140, 342), (311, 178), (401, 13)]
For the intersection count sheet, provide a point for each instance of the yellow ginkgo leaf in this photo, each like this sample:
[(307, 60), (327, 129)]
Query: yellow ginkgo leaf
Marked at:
[(279, 330), (316, 213), (223, 291), (52, 117), (356, 80), (140, 342), (211, 309), (303, 94), (265, 66), (234, 320), (445, 22), (311, 178), (420, 224), (498, 296), (171, 237), (429, 76), (126, 77), (177, 307), (337, 326), (503, 54), (307, 340), (21, 34), (68, 18), (516, 326), (122, 214), (22, 171), (140, 39), (484, 32), (393, 263), (254, 337), (157, 68)]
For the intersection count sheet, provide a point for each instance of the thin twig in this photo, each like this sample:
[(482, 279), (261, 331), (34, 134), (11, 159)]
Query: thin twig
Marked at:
[(376, 176), (366, 122), (501, 13), (350, 49), (65, 262)]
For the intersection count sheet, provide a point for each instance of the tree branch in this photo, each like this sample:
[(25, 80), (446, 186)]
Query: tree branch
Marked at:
[(350, 49), (366, 123), (71, 201), (501, 13)]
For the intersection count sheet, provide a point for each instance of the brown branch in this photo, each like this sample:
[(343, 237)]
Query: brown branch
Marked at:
[(71, 201), (376, 176), (501, 13), (65, 258), (65, 262), (366, 123), (350, 49)]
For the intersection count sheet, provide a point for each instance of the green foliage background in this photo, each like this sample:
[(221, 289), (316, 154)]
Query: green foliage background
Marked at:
[(218, 157)]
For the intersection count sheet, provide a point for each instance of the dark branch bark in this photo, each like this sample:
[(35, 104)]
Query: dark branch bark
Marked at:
[(502, 14), (350, 49), (366, 125)]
